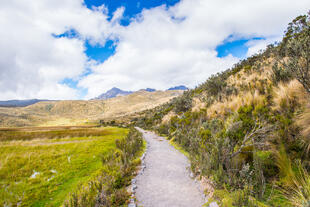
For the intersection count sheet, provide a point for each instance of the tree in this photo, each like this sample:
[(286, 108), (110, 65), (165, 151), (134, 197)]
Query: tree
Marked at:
[(297, 50)]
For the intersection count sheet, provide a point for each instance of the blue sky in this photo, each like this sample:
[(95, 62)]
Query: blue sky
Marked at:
[(83, 49), (132, 7)]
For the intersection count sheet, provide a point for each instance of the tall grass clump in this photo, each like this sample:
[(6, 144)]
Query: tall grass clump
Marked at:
[(303, 121), (298, 193)]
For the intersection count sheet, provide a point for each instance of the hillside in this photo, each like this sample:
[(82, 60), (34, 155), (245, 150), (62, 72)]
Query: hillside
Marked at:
[(246, 130), (81, 112), (19, 103)]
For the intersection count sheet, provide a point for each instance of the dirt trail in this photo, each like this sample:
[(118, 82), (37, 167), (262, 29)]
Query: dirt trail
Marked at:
[(166, 180)]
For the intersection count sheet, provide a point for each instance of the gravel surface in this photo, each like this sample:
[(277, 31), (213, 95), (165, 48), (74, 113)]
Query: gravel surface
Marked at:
[(166, 180)]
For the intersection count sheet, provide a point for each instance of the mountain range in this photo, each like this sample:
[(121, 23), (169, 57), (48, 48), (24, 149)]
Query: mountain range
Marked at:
[(114, 92), (19, 103)]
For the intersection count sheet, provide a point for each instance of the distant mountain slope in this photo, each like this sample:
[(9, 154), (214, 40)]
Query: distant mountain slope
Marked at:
[(112, 93), (79, 111), (115, 92), (136, 102), (181, 87), (19, 103), (150, 89)]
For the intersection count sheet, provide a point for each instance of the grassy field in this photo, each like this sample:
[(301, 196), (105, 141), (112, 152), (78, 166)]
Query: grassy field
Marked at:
[(41, 166)]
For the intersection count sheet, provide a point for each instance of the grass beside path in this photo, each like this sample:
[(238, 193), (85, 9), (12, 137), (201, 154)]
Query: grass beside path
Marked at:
[(43, 174)]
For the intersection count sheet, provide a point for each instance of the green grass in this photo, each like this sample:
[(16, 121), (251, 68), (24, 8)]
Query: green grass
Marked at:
[(62, 164), (178, 147), (29, 133)]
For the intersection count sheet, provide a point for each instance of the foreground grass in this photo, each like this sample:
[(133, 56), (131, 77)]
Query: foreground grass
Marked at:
[(109, 186), (42, 172)]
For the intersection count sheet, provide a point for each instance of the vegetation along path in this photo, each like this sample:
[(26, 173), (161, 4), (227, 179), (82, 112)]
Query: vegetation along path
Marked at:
[(166, 180)]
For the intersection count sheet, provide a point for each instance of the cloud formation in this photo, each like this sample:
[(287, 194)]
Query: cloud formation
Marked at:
[(161, 47), (32, 61)]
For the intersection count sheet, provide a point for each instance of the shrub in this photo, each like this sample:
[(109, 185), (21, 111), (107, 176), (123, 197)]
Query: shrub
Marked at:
[(183, 103), (296, 45), (280, 74)]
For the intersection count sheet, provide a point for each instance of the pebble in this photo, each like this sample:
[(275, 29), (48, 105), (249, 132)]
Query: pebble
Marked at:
[(191, 175), (213, 204), (132, 205), (133, 188)]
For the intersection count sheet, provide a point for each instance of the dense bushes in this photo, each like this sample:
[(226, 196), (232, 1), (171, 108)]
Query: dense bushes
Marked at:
[(108, 188), (183, 103)]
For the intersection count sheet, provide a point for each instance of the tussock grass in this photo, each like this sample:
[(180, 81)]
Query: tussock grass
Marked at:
[(303, 121), (289, 95), (198, 105), (233, 103), (243, 78), (295, 179), (298, 194), (168, 117)]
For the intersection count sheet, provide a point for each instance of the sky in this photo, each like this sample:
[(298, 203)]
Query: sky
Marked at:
[(76, 49)]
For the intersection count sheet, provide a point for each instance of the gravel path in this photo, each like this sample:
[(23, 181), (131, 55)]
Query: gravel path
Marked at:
[(166, 180)]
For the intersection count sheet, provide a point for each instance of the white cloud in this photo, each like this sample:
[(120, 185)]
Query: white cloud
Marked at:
[(32, 61), (255, 46), (160, 48)]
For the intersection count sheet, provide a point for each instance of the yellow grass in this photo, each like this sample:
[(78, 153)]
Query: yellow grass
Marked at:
[(288, 95), (242, 78), (167, 117), (198, 105), (234, 103), (303, 121)]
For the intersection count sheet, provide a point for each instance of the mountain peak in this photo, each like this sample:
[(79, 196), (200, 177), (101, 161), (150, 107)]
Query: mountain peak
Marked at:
[(150, 89), (113, 92), (180, 87)]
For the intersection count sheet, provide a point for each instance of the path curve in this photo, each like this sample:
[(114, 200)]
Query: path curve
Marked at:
[(166, 180)]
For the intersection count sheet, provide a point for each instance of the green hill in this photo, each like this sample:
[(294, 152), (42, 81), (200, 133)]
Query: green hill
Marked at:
[(247, 130)]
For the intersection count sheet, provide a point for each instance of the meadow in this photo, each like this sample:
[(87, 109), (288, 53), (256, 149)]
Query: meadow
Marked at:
[(42, 166)]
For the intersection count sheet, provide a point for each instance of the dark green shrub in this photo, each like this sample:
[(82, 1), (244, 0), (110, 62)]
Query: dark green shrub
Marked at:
[(280, 74)]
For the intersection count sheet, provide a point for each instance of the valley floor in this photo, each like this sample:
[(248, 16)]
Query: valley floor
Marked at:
[(166, 180)]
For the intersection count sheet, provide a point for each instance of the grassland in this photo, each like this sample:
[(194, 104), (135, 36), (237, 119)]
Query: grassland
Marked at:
[(41, 166)]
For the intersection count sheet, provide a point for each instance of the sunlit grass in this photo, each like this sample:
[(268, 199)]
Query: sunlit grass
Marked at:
[(30, 133), (42, 172)]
